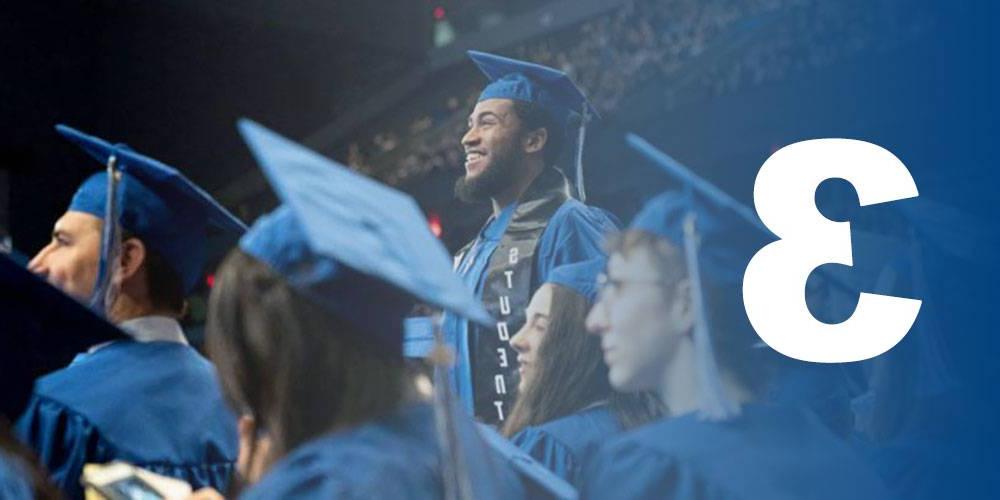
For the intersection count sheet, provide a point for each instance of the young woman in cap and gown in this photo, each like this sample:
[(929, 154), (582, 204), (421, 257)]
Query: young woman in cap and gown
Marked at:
[(566, 408)]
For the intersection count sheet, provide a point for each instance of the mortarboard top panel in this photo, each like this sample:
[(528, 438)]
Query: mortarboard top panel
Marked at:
[(346, 218), (550, 88)]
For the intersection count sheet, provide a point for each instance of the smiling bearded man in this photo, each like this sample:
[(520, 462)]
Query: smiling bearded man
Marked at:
[(516, 134)]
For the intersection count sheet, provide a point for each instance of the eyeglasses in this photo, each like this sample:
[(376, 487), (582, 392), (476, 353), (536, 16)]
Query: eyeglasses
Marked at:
[(610, 288)]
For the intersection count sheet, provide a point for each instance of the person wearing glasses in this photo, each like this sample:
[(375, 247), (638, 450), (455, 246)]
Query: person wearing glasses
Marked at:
[(670, 320)]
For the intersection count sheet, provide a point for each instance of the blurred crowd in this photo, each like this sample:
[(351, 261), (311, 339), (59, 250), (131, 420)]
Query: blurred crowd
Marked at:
[(640, 43)]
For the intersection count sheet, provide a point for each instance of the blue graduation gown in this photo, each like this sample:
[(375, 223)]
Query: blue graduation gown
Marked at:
[(13, 482), (575, 233), (157, 405), (395, 456), (768, 452), (563, 444)]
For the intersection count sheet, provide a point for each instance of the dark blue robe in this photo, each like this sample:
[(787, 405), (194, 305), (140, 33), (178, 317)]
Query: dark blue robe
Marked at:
[(396, 456), (562, 445), (156, 405), (768, 452)]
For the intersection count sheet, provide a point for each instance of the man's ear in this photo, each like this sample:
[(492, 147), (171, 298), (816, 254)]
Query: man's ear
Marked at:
[(133, 255), (535, 140)]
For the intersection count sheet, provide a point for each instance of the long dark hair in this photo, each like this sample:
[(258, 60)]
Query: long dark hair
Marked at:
[(570, 373), (298, 369)]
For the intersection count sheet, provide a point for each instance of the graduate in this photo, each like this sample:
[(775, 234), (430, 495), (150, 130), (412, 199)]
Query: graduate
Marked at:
[(132, 244), (524, 118), (306, 326), (670, 319), (43, 329), (565, 406)]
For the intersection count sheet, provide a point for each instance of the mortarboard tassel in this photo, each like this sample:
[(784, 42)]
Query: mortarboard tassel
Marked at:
[(105, 291), (456, 477), (580, 138), (715, 406)]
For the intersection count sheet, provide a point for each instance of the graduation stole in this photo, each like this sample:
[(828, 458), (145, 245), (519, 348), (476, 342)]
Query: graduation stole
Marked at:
[(506, 292)]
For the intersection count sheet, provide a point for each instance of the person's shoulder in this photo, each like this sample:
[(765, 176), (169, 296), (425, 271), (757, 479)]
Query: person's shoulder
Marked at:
[(354, 464), (642, 439), (122, 367), (743, 454), (302, 474), (573, 211), (154, 402), (629, 466), (578, 429)]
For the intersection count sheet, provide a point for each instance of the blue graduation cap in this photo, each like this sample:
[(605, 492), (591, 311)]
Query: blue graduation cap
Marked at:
[(718, 236), (549, 88), (151, 200), (357, 247), (580, 276), (363, 251), (43, 329)]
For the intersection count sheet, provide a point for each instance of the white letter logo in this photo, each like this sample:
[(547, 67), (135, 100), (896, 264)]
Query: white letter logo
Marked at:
[(774, 283)]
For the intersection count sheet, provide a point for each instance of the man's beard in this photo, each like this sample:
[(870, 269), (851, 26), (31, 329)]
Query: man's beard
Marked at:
[(493, 180)]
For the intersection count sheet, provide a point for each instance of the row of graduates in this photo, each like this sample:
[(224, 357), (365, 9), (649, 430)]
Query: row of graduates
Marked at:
[(638, 377)]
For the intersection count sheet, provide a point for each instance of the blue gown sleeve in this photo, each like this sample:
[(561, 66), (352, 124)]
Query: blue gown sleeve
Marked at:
[(575, 233), (628, 471), (550, 452), (64, 441)]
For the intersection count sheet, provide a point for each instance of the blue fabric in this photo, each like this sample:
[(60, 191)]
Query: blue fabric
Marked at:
[(396, 456), (580, 277), (540, 481), (357, 247), (13, 482), (158, 204), (418, 337), (726, 241), (768, 452), (277, 239), (575, 233), (157, 405), (564, 444), (547, 87), (177, 236)]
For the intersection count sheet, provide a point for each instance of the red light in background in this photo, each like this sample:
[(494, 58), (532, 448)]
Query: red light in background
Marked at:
[(434, 223), (210, 280), (439, 13)]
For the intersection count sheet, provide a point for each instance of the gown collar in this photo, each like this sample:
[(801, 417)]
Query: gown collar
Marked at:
[(154, 329), (150, 329)]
